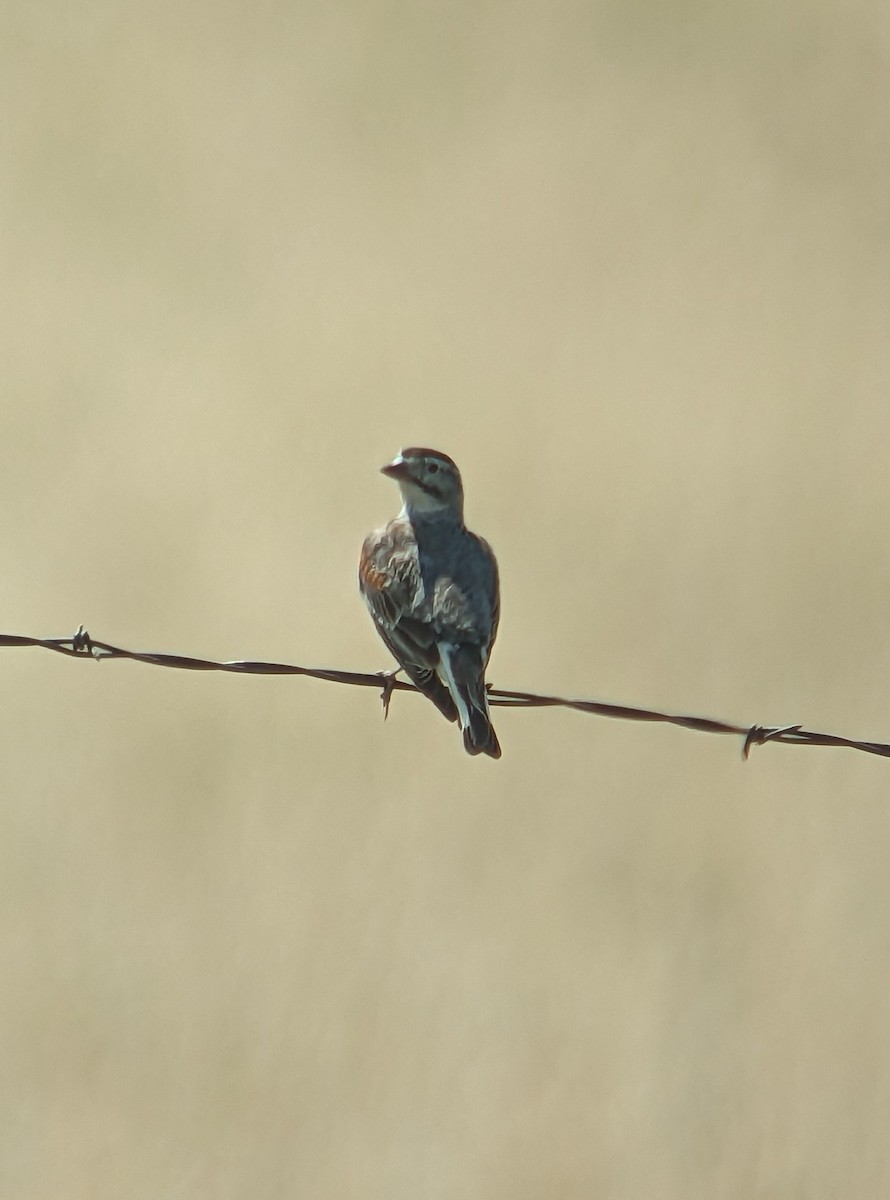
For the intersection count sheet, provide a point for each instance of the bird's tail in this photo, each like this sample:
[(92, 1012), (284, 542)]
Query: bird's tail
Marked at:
[(464, 674), (434, 689), (479, 735)]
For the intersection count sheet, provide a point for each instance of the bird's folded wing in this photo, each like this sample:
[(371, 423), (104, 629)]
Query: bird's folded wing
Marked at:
[(389, 578)]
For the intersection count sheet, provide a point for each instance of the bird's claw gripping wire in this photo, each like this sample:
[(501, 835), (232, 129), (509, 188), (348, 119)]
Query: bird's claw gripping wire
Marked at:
[(388, 686), (82, 643)]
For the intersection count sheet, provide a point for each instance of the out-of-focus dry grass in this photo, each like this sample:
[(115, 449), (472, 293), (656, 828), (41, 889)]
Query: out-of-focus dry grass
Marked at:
[(630, 266)]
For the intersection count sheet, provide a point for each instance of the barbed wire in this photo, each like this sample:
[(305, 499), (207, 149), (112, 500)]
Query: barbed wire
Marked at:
[(81, 645)]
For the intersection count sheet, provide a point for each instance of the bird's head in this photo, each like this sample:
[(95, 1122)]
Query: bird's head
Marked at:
[(429, 481)]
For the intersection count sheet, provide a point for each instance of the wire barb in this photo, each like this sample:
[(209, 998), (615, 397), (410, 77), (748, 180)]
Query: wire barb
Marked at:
[(81, 645), (759, 735)]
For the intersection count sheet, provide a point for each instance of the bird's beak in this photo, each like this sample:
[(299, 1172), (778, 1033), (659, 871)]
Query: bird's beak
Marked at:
[(397, 469)]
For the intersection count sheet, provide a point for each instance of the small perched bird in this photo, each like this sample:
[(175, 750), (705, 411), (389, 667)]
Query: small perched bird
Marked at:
[(432, 589)]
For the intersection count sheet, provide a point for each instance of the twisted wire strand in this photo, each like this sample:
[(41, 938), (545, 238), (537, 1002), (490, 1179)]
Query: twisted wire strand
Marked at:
[(81, 645)]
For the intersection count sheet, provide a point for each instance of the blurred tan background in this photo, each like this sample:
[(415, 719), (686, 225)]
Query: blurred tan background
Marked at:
[(630, 266)]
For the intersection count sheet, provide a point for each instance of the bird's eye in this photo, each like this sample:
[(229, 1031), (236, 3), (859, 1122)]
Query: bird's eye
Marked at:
[(432, 468)]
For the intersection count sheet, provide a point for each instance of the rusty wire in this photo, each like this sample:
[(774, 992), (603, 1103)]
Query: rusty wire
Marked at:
[(81, 645)]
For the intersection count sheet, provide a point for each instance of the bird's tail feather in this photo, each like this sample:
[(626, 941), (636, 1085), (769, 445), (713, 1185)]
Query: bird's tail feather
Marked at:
[(479, 734), (434, 689), (465, 676)]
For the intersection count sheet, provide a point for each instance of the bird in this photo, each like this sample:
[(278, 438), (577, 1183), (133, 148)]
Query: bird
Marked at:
[(432, 589)]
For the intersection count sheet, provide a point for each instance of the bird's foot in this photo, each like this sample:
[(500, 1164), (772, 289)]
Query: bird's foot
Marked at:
[(388, 686)]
